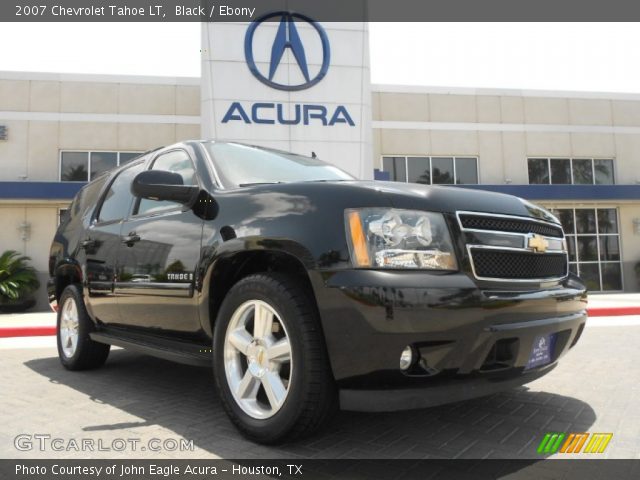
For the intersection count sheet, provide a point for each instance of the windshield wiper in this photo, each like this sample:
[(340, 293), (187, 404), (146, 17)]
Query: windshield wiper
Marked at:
[(325, 180), (251, 184)]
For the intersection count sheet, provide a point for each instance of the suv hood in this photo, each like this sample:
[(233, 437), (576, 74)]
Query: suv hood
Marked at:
[(452, 199)]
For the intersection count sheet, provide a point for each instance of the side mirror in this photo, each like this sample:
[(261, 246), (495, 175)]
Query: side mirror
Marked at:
[(163, 185)]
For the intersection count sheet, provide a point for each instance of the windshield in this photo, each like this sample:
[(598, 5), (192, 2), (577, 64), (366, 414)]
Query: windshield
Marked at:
[(242, 165)]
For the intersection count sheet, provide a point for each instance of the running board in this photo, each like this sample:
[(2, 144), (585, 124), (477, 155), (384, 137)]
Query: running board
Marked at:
[(173, 350)]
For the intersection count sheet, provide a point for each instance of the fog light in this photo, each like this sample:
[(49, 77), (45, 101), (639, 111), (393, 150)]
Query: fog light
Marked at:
[(406, 358)]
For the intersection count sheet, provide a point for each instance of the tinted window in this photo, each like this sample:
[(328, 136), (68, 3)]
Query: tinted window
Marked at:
[(560, 171), (590, 274), (102, 161), (607, 220), (126, 157), (87, 197), (582, 172), (419, 170), (466, 171), (566, 219), (609, 248), (397, 168), (604, 171), (538, 170), (585, 220), (73, 167), (239, 165), (177, 161), (117, 201), (611, 276), (442, 170), (594, 246)]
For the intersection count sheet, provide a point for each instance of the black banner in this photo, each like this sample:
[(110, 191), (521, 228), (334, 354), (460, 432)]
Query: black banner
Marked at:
[(320, 10), (578, 469)]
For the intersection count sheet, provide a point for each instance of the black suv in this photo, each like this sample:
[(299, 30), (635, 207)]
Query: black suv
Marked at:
[(308, 290)]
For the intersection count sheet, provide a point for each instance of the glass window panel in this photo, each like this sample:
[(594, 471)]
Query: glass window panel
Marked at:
[(587, 249), (538, 171), (609, 248), (604, 172), (396, 167), (419, 170), (560, 171), (118, 199), (573, 268), (442, 170), (63, 214), (585, 220), (126, 157), (74, 167), (611, 276), (178, 162), (582, 172), (590, 275), (565, 215), (102, 161), (607, 220), (466, 171), (571, 246)]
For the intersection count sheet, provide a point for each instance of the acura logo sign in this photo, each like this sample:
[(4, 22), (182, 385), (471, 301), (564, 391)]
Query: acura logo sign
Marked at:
[(287, 37)]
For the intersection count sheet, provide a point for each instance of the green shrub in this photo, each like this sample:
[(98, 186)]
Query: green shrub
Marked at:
[(18, 279)]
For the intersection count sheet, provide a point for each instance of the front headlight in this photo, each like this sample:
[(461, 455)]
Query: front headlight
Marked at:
[(391, 238)]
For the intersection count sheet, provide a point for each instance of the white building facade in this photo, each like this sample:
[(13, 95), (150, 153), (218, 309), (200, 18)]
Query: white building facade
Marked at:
[(291, 83)]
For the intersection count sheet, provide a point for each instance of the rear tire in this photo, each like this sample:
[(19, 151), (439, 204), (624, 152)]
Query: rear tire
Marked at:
[(76, 350), (273, 374)]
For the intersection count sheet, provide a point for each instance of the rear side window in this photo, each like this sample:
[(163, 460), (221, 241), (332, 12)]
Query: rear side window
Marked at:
[(177, 161), (117, 201), (86, 199)]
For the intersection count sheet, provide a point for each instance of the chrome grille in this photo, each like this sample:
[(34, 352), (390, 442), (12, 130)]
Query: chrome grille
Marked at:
[(518, 265), (542, 255), (504, 224)]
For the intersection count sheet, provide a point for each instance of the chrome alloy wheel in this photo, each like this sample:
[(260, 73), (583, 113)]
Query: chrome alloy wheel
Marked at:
[(69, 324), (257, 359)]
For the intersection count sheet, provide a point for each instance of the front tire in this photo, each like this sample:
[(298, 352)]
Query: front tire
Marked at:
[(76, 350), (270, 360)]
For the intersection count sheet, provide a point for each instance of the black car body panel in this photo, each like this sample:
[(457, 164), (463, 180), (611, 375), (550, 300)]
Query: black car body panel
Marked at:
[(165, 275)]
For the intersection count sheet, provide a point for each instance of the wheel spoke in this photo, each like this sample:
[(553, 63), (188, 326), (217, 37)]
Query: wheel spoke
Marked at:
[(248, 386), (274, 388), (69, 310), (262, 321), (69, 328), (280, 351), (240, 339)]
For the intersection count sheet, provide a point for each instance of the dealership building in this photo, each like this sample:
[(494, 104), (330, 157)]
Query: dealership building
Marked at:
[(575, 153)]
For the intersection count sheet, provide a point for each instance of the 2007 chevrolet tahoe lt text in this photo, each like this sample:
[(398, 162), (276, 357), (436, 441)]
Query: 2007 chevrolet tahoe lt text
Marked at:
[(308, 290)]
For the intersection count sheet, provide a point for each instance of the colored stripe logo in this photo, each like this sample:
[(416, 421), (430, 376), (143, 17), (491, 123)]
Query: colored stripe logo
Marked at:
[(558, 442)]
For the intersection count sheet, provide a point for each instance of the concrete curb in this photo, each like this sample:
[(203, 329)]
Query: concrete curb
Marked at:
[(612, 311), (31, 331)]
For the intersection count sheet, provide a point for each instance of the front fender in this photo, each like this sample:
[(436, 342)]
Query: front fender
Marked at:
[(221, 267)]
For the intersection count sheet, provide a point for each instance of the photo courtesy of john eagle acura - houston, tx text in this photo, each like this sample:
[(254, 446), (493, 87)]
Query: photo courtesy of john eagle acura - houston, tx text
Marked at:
[(307, 289)]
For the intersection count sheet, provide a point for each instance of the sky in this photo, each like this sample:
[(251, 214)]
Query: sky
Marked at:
[(550, 56)]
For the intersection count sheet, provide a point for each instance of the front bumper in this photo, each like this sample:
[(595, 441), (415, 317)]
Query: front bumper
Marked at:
[(469, 341)]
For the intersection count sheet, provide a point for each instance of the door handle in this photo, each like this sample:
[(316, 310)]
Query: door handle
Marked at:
[(130, 239), (88, 243)]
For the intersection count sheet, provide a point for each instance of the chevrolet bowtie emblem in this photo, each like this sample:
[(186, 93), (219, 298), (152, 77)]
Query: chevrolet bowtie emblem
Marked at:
[(537, 243)]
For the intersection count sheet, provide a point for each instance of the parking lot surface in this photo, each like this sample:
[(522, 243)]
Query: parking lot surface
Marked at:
[(155, 404)]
